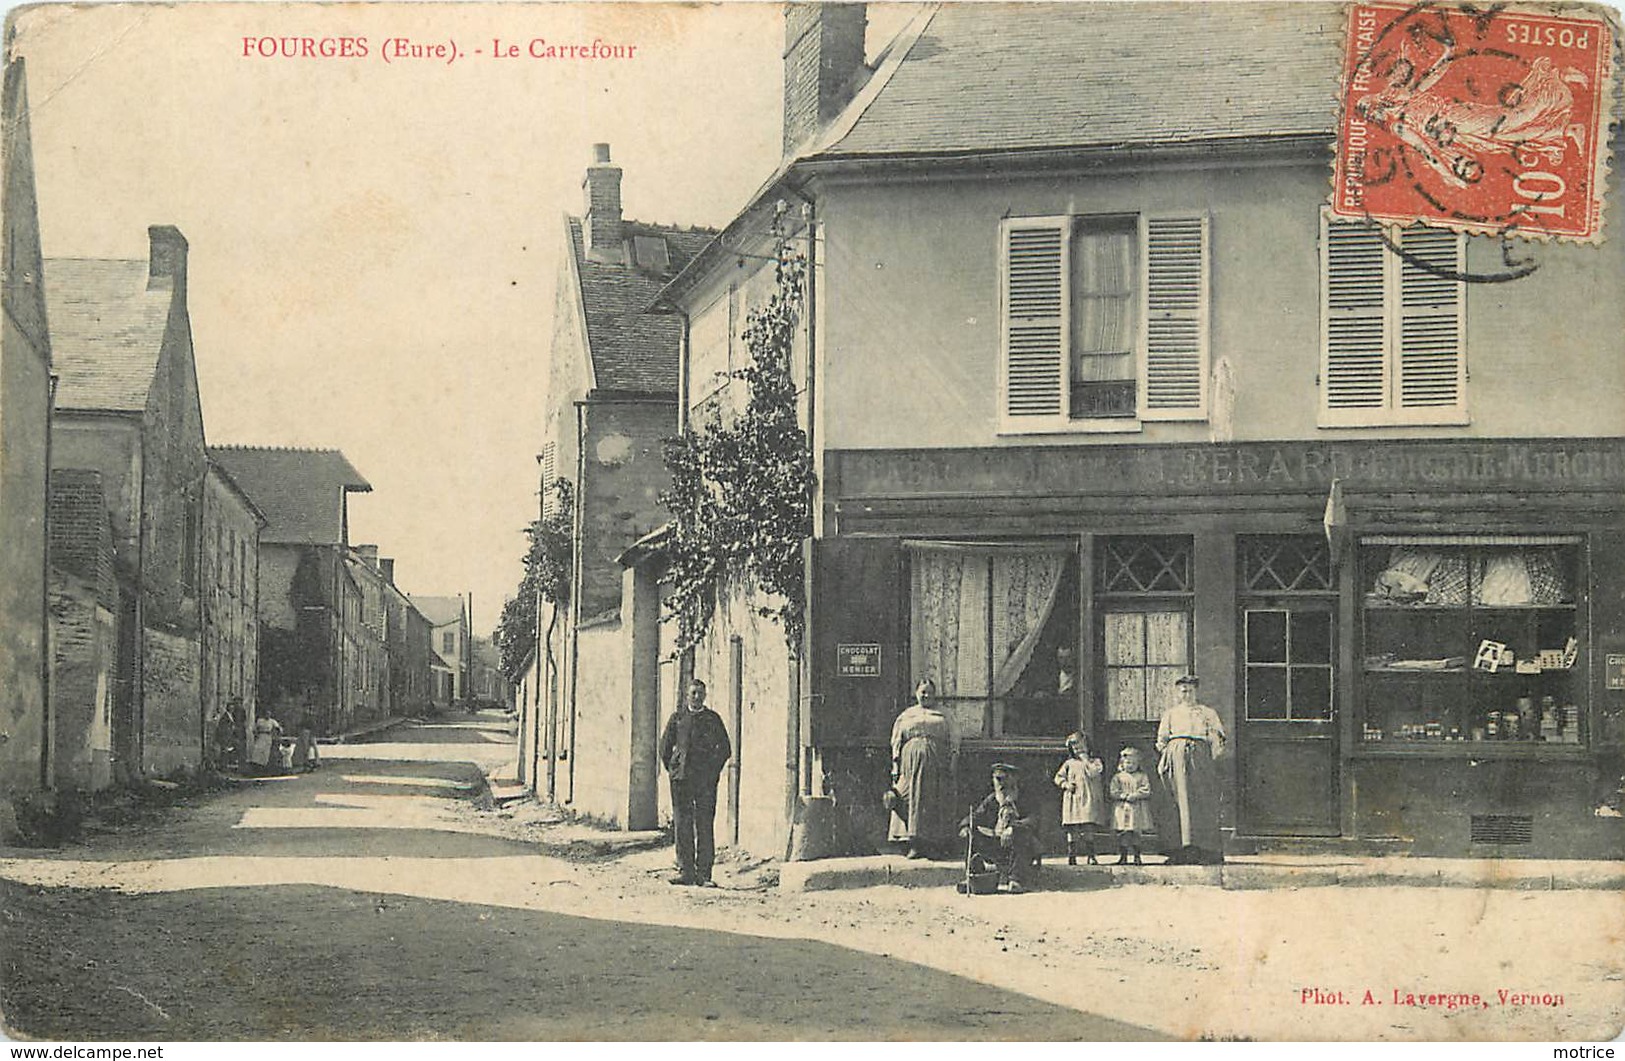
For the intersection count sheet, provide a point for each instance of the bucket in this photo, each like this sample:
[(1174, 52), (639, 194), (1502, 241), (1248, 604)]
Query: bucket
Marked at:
[(985, 882)]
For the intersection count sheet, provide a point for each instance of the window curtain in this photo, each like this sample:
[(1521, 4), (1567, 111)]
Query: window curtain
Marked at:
[(962, 596), (1025, 586), (1103, 310), (949, 628), (1146, 652)]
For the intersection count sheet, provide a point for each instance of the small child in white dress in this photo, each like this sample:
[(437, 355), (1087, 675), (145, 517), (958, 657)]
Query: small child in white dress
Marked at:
[(1131, 805), (1082, 781)]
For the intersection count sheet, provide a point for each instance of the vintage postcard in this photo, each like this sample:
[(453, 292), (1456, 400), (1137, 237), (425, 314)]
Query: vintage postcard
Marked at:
[(754, 521)]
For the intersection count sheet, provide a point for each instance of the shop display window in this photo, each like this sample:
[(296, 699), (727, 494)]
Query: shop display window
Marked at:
[(1472, 641), (995, 626)]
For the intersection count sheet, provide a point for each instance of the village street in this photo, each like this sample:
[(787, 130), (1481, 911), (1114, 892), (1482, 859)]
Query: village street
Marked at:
[(377, 899)]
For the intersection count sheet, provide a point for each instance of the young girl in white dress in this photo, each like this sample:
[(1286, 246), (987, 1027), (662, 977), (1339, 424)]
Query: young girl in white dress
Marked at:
[(1082, 781), (1131, 805)]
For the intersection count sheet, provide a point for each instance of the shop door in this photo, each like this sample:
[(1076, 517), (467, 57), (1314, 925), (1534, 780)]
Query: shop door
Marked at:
[(1287, 768)]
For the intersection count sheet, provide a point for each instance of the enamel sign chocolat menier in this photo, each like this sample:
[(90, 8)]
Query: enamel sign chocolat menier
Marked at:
[(1487, 120)]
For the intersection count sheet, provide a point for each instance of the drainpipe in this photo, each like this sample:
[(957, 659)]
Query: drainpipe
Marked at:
[(575, 580), (47, 725), (205, 670), (682, 370), (804, 689), (138, 683)]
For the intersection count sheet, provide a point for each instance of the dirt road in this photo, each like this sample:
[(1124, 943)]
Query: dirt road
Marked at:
[(376, 899), (372, 900)]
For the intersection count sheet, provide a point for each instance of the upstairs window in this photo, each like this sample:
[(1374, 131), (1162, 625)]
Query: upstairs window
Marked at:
[(1393, 324), (1104, 322)]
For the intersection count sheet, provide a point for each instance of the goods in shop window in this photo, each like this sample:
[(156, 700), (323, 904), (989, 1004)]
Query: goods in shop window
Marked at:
[(1491, 656)]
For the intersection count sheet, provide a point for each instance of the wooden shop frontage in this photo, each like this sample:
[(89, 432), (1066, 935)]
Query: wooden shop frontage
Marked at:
[(1418, 645)]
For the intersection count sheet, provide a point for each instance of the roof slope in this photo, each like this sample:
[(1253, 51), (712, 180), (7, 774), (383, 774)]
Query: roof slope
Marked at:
[(632, 349), (107, 330), (438, 610), (1001, 77), (300, 491)]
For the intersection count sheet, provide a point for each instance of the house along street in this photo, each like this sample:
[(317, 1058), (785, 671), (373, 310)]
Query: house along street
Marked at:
[(381, 898)]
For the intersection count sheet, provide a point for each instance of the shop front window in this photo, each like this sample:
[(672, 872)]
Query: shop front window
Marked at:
[(995, 627), (1472, 640), (1145, 586)]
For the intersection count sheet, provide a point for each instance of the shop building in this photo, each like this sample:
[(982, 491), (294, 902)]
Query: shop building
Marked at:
[(1100, 395)]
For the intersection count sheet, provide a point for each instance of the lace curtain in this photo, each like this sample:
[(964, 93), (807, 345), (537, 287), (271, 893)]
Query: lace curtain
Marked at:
[(978, 613)]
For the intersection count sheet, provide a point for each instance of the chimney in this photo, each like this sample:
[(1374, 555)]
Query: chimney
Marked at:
[(823, 61), (368, 554), (166, 259), (603, 191), (386, 564)]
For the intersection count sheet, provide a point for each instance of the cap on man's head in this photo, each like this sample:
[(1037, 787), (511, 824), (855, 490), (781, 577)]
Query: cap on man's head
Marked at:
[(1006, 769), (1187, 679)]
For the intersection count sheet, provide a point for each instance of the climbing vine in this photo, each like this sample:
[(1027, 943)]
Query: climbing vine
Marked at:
[(742, 487), (547, 572)]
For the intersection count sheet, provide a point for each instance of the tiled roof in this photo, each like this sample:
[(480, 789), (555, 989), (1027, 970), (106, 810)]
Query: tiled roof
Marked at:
[(107, 330), (438, 610), (992, 77), (300, 491), (633, 349)]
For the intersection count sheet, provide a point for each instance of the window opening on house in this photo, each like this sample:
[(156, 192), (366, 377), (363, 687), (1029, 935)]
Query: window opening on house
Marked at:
[(996, 627), (1288, 639), (1144, 589), (1289, 664), (1104, 321), (1473, 640), (1285, 564), (1393, 327), (1105, 271)]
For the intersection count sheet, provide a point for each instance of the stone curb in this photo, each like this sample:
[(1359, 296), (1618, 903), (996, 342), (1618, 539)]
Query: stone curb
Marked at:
[(874, 871)]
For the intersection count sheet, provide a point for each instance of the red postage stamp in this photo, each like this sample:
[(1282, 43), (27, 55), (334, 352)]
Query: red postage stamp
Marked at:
[(1485, 119)]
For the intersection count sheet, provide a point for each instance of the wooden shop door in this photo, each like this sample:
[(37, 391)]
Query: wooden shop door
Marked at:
[(1287, 752)]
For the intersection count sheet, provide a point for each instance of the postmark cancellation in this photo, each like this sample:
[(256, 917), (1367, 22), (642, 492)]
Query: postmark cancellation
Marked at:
[(1488, 119)]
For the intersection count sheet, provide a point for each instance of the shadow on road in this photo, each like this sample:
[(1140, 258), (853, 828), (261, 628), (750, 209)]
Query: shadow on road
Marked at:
[(301, 962)]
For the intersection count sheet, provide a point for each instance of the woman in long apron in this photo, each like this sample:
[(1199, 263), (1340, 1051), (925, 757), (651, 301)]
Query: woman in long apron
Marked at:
[(1189, 738), (922, 787)]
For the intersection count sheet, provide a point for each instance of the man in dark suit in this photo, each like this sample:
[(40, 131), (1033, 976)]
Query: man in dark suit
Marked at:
[(693, 749)]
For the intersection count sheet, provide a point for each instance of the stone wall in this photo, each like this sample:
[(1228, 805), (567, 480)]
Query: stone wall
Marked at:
[(601, 767), (83, 642), (171, 720)]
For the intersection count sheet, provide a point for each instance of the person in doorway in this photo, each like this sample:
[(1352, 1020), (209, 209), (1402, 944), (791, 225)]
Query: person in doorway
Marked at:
[(267, 739), (1082, 781), (1189, 738), (304, 752), (1131, 805), (694, 748), (922, 745), (227, 730), (1001, 833)]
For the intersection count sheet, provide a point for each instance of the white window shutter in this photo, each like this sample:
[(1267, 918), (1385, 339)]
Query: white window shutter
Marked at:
[(1032, 363), (1174, 371), (1431, 367), (1354, 365), (550, 471)]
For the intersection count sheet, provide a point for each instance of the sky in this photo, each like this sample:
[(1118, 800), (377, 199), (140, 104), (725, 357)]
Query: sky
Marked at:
[(373, 244)]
